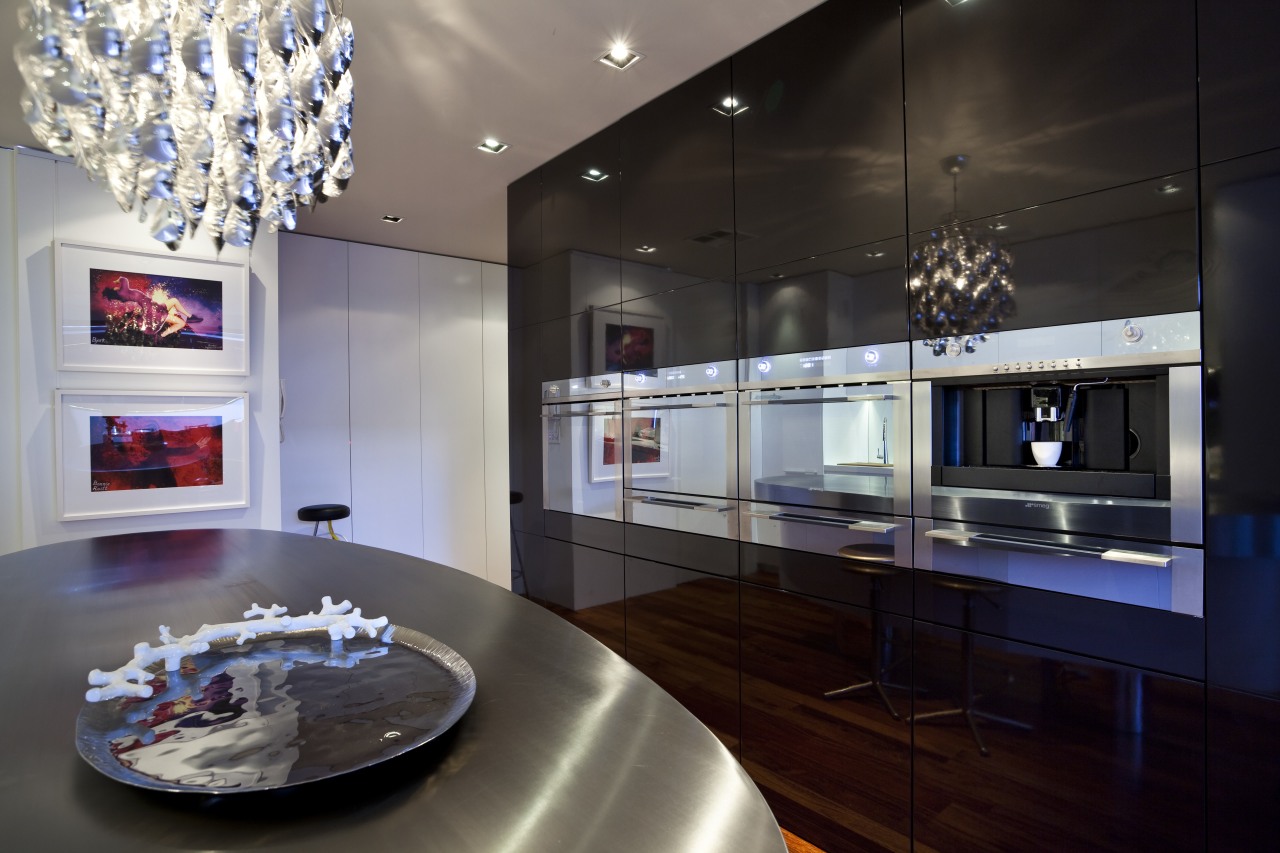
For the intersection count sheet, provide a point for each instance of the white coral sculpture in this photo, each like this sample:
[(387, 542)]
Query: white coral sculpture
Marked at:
[(131, 679)]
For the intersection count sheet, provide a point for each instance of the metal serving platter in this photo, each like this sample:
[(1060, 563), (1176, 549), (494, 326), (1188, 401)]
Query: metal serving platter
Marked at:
[(279, 711)]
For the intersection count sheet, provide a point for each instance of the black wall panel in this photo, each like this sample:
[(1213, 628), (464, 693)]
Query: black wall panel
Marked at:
[(1239, 78)]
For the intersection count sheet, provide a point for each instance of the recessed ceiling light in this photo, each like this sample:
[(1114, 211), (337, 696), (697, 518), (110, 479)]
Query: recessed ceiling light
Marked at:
[(392, 219), (594, 175), (646, 249), (1168, 189), (875, 254), (493, 146), (620, 57), (730, 106), (954, 2), (998, 226), (776, 275)]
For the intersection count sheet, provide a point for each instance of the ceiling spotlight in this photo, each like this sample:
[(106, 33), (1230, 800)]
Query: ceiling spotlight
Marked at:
[(493, 146), (954, 2), (729, 107), (998, 226), (620, 57), (875, 254), (392, 219), (646, 249), (1168, 189), (594, 175)]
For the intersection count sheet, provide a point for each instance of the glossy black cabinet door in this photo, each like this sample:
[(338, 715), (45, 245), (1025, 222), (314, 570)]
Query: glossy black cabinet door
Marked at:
[(1239, 78), (1118, 253), (817, 134), (573, 346), (582, 585), (524, 421), (874, 586), (602, 533), (677, 187), (682, 631), (690, 325), (1020, 748), (524, 249), (1047, 101), (825, 697), (1244, 771), (1242, 558), (580, 227), (850, 298)]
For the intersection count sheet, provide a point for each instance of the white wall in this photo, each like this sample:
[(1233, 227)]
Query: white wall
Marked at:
[(395, 369), (48, 199), (10, 479)]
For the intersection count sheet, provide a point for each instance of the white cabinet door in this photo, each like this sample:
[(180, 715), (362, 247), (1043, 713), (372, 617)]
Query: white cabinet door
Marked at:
[(453, 453), (315, 450), (386, 399)]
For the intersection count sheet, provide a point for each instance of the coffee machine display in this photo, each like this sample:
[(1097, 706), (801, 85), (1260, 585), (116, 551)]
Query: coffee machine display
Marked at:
[(1073, 466)]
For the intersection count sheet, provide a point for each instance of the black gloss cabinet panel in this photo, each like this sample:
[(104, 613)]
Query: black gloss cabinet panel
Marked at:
[(1244, 775), (1239, 78), (1020, 748), (689, 325), (1046, 101), (677, 187), (825, 701), (580, 198), (1242, 554), (682, 631), (817, 134), (853, 297), (584, 586)]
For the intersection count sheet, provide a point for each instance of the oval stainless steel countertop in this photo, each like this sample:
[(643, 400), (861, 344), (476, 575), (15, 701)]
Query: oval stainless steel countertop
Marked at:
[(566, 746)]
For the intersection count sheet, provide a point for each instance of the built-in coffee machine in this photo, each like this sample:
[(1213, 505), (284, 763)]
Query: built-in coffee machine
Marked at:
[(1068, 459)]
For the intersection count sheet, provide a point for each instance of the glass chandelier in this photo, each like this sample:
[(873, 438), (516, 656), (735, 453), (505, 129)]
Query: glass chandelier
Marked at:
[(230, 112), (959, 283)]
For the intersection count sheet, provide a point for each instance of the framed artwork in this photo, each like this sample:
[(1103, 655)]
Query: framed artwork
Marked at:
[(630, 342), (124, 311), (122, 453), (650, 456)]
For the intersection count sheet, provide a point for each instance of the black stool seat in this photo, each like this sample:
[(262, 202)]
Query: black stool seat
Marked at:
[(323, 512)]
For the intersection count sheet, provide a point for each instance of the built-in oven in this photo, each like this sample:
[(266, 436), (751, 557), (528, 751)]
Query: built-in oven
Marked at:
[(582, 446), (678, 438), (825, 452), (1067, 459)]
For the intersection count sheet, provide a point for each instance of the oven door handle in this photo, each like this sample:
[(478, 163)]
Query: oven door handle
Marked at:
[(581, 415), (1037, 546), (631, 407), (824, 521), (677, 504), (860, 398)]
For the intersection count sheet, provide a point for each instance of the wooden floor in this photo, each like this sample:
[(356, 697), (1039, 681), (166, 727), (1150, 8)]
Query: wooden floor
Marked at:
[(798, 845)]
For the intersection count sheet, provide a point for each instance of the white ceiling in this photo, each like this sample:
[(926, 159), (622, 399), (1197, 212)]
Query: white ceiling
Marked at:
[(435, 77)]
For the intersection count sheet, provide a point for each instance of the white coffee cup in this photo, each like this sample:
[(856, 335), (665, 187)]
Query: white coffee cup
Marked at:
[(1046, 453)]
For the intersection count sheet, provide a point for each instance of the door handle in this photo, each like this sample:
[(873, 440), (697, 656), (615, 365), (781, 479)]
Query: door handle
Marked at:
[(824, 521), (675, 503), (997, 542)]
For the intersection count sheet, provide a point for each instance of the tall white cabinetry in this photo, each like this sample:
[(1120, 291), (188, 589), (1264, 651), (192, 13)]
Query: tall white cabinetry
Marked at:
[(395, 379)]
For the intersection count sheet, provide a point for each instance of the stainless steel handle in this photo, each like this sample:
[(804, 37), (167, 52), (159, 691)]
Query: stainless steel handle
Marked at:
[(823, 521), (632, 406), (1038, 546), (861, 398), (582, 415), (676, 503)]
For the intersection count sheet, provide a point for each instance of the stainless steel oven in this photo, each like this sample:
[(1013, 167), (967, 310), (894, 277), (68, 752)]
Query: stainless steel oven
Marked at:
[(828, 429), (581, 471), (678, 436), (1067, 459)]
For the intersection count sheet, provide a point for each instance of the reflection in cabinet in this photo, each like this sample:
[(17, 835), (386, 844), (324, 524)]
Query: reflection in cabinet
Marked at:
[(1244, 776), (817, 141), (524, 248), (1040, 118), (677, 196), (682, 631), (1082, 754), (582, 585), (836, 770), (1239, 78), (690, 325)]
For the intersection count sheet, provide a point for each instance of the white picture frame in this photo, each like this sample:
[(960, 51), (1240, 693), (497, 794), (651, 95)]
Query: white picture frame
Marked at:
[(126, 311), (130, 453), (606, 431)]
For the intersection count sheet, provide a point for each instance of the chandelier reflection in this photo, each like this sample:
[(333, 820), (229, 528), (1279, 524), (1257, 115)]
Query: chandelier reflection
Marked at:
[(959, 283), (234, 113)]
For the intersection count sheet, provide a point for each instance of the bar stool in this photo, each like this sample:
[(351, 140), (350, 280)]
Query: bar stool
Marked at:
[(966, 708), (879, 642), (328, 513)]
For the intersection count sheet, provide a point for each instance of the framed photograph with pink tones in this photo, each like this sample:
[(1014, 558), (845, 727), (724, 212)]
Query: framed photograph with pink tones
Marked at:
[(120, 310), (123, 453)]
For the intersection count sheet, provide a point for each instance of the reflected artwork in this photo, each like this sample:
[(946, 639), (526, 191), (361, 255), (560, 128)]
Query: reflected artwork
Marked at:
[(645, 437), (628, 347)]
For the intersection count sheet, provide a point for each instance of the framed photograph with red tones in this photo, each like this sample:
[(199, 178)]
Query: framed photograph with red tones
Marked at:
[(124, 311), (650, 455), (123, 453)]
